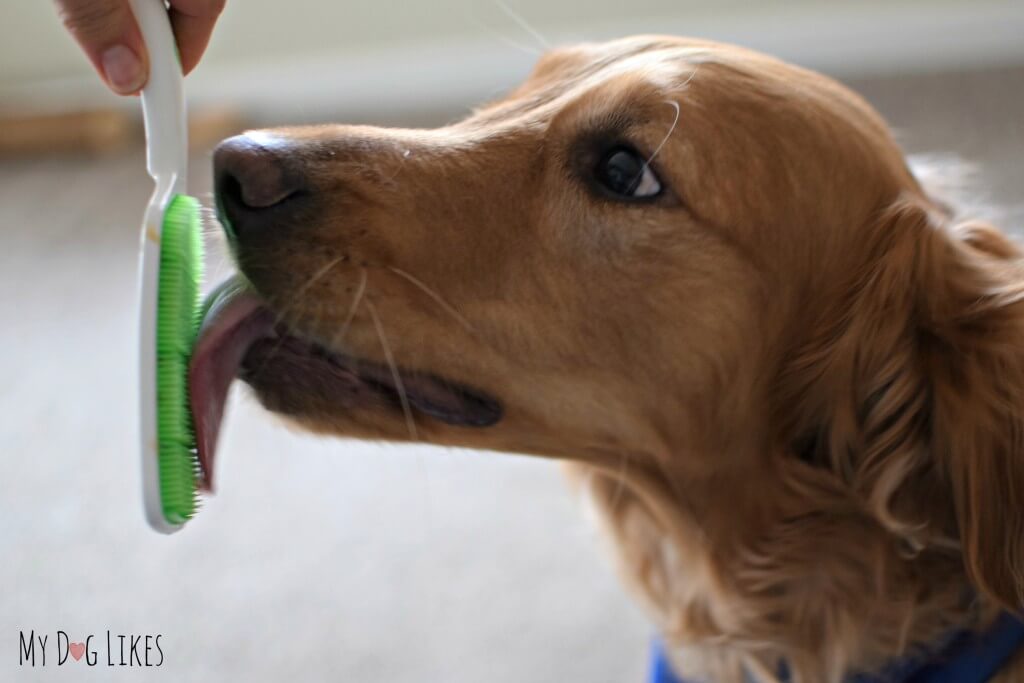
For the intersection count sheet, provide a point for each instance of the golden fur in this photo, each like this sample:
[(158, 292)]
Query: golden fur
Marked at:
[(793, 384)]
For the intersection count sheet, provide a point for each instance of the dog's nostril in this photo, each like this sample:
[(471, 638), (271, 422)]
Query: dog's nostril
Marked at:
[(250, 176), (230, 190)]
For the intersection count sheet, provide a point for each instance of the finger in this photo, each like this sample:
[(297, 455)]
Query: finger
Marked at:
[(193, 22), (108, 34)]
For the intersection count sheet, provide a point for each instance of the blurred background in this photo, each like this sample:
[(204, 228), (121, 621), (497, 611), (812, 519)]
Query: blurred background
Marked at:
[(323, 559)]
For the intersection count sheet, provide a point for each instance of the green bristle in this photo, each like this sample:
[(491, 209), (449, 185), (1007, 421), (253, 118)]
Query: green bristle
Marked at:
[(181, 264)]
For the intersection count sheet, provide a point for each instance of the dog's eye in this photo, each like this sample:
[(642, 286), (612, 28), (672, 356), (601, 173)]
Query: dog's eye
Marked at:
[(625, 173)]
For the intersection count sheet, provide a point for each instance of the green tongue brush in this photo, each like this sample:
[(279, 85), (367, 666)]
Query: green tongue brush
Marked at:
[(171, 270)]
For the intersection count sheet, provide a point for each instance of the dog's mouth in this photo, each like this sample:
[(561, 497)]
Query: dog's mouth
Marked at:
[(241, 337)]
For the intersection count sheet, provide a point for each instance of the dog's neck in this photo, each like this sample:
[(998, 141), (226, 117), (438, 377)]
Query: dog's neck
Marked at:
[(739, 587), (964, 657)]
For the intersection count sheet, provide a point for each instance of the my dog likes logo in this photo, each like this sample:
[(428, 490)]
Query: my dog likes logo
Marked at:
[(121, 649)]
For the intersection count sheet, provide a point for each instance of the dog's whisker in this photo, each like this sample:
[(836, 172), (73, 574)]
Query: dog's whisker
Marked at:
[(360, 290), (672, 128), (435, 296), (287, 309), (270, 355), (395, 375), (390, 180), (312, 280), (523, 24), (533, 52)]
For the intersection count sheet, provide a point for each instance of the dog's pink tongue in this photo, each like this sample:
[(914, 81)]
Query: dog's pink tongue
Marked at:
[(234, 319)]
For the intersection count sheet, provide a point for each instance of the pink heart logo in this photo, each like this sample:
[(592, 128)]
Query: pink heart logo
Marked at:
[(77, 650)]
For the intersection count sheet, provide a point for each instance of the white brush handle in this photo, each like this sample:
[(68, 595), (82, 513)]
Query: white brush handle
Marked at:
[(163, 99), (163, 107)]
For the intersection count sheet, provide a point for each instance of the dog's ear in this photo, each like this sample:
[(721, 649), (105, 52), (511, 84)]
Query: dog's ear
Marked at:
[(973, 293), (912, 390)]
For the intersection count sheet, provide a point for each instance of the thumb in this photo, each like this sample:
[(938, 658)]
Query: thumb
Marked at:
[(110, 37)]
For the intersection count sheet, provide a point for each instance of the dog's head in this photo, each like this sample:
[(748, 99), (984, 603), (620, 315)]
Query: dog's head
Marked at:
[(686, 255)]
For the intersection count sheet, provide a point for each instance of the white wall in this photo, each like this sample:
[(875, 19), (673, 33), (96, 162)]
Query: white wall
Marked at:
[(33, 45), (361, 56)]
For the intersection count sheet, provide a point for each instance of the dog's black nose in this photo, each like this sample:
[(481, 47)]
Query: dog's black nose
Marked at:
[(253, 183)]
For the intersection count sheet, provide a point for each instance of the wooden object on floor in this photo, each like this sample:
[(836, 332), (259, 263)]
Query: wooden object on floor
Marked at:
[(86, 133), (103, 132)]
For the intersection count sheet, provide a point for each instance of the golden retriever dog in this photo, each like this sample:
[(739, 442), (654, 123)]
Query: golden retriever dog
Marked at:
[(791, 381)]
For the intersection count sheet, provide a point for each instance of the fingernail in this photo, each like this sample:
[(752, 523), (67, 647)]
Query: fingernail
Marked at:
[(123, 69)]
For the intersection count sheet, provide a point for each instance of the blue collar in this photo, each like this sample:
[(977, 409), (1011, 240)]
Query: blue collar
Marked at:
[(968, 658)]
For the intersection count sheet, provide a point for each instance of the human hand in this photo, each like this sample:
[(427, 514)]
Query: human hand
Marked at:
[(109, 35)]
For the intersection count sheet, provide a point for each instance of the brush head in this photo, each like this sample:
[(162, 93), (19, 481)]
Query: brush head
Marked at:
[(177, 323)]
